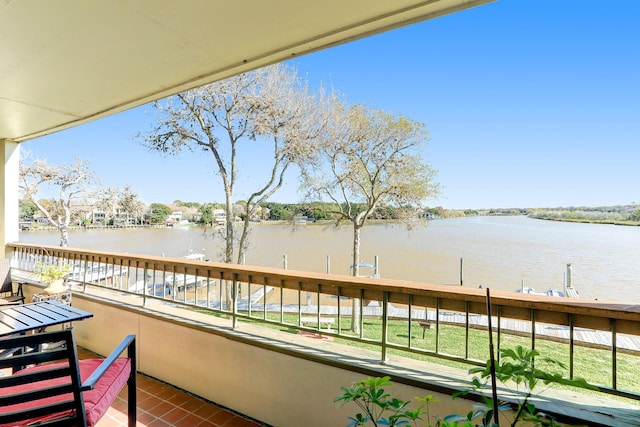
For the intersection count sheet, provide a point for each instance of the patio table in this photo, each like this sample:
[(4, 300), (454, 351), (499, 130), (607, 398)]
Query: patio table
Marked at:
[(37, 316)]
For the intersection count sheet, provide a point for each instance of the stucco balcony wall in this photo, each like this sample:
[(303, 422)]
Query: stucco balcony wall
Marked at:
[(216, 363)]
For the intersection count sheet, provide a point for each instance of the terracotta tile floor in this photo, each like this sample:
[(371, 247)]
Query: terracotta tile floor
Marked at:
[(160, 405)]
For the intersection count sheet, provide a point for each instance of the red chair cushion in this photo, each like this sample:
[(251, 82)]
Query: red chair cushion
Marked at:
[(96, 401)]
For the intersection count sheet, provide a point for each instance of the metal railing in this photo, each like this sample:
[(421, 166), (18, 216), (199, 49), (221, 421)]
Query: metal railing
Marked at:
[(447, 323)]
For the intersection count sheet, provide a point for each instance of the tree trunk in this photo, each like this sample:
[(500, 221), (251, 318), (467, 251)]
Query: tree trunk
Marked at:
[(242, 242), (228, 254), (64, 236), (355, 303)]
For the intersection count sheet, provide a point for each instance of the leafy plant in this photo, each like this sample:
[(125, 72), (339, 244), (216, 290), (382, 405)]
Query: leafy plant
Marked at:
[(379, 407), (50, 272), (526, 370), (519, 367)]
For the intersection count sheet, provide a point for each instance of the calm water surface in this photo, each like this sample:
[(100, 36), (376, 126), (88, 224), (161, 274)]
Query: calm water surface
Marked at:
[(497, 252)]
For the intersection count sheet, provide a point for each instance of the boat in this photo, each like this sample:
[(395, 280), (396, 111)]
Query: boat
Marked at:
[(568, 290), (96, 273), (179, 280), (195, 257), (372, 267), (183, 223), (549, 292)]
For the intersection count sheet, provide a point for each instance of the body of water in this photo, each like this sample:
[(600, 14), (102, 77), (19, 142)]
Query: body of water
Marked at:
[(497, 252)]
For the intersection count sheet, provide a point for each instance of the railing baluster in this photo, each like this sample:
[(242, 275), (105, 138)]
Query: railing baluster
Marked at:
[(208, 289), (361, 317), (410, 318), (571, 347), (144, 285), (234, 301), (466, 330), (614, 354), (385, 326), (437, 325), (281, 301), (221, 291), (195, 287), (264, 298), (318, 303), (184, 282), (533, 329), (249, 280), (498, 331), (338, 295), (135, 275), (299, 304)]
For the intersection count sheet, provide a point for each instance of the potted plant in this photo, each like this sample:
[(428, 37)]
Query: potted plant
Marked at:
[(53, 275)]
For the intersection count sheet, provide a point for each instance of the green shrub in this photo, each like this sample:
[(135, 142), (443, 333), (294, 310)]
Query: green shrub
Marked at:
[(524, 369)]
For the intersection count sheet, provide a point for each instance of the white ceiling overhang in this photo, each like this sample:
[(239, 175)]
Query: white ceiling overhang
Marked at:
[(66, 62)]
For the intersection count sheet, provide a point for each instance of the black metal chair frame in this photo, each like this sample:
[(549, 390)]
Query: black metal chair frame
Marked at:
[(28, 350), (7, 295)]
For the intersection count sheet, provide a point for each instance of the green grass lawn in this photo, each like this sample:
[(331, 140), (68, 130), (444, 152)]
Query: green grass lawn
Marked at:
[(592, 364)]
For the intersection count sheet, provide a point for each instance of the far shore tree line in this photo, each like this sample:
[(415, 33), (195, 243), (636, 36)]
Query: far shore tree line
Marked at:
[(620, 214), (202, 214)]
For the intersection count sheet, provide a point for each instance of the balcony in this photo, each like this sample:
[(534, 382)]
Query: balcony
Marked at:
[(276, 345)]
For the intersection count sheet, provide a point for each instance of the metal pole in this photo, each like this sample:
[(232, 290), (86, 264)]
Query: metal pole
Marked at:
[(376, 272), (492, 364), (385, 327), (461, 271)]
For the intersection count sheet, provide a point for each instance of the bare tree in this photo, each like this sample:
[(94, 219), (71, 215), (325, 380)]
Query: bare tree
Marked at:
[(367, 159), (73, 184), (270, 106), (107, 201), (129, 203), (119, 200)]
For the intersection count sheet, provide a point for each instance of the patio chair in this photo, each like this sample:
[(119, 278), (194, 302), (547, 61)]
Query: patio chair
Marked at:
[(7, 295), (57, 388)]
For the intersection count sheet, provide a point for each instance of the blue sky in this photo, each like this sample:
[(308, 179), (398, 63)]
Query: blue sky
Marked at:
[(529, 103)]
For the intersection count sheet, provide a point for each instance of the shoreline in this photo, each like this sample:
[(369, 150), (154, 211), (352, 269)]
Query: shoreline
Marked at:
[(325, 223)]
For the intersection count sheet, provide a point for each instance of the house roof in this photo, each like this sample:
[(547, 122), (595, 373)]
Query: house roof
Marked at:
[(66, 62)]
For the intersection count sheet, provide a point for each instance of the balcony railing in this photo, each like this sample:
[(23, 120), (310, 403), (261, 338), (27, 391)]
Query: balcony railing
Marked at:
[(598, 341)]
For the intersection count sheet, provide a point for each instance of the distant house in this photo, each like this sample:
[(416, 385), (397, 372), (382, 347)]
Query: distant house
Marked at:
[(123, 218), (175, 217), (97, 217), (42, 220), (219, 216), (428, 215)]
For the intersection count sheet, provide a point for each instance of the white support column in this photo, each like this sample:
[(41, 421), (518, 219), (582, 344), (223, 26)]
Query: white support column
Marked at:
[(9, 212)]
